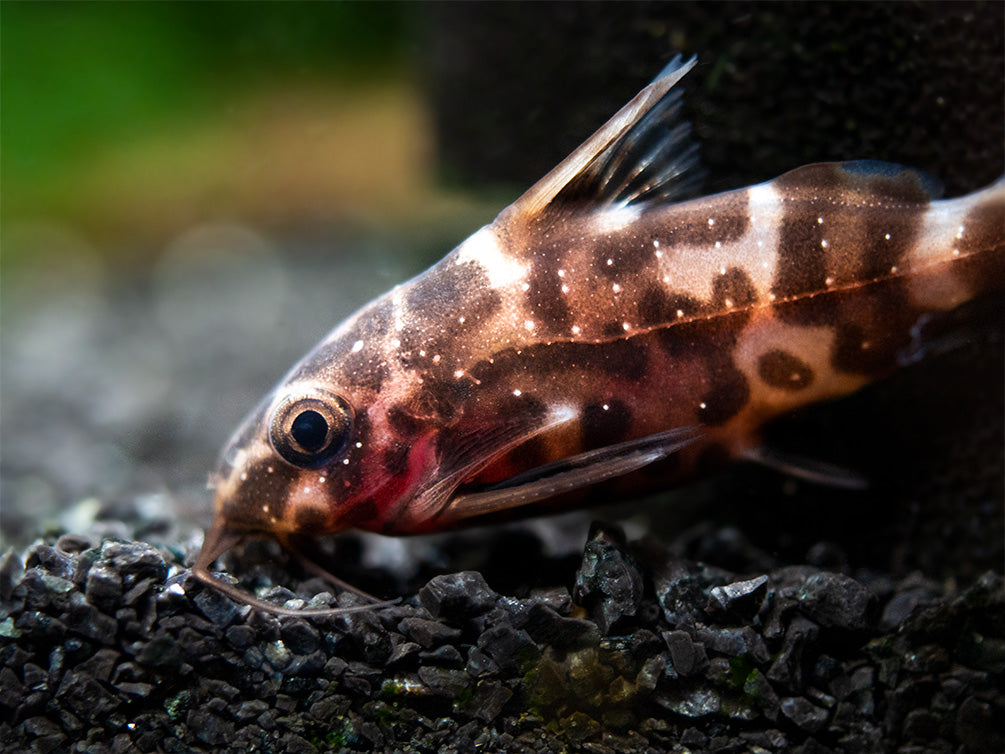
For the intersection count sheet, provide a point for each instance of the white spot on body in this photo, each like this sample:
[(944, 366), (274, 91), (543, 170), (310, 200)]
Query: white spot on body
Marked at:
[(613, 220), (616, 288), (824, 244), (576, 330), (459, 373), (517, 392), (395, 343), (711, 221), (565, 288), (887, 236), (528, 325), (625, 326), (357, 346)]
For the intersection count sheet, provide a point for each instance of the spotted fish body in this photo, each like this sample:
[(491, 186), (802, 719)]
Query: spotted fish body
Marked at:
[(600, 329)]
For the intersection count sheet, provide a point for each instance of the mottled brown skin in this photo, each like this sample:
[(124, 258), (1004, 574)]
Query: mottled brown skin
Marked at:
[(570, 325)]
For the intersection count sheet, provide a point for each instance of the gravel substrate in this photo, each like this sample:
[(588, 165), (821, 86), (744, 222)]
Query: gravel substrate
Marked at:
[(114, 647)]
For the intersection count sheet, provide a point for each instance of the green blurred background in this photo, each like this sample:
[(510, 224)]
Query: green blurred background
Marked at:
[(131, 120)]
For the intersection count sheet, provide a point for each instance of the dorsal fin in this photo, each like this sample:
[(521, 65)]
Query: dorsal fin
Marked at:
[(642, 154)]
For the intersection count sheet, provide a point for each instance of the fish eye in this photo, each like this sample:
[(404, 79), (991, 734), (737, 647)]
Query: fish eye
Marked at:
[(308, 430)]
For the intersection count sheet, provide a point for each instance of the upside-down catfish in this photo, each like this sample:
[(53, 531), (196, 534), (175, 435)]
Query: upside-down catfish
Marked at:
[(599, 327)]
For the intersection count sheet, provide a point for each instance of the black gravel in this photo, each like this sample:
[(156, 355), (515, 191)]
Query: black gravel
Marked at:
[(113, 646)]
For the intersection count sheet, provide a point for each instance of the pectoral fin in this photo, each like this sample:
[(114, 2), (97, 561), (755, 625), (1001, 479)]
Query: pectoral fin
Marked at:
[(575, 472)]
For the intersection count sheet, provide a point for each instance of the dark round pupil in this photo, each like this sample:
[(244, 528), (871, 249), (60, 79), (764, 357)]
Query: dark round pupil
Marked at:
[(310, 430)]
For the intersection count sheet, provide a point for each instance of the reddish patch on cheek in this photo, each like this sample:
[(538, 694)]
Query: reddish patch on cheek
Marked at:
[(385, 491)]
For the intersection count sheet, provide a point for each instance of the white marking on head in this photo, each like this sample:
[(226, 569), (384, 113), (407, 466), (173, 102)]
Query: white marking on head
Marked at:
[(484, 249)]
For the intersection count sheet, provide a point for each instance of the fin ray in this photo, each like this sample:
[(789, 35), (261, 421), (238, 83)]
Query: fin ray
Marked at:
[(637, 144), (568, 474)]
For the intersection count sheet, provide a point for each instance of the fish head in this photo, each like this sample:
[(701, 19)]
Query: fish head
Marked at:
[(327, 449)]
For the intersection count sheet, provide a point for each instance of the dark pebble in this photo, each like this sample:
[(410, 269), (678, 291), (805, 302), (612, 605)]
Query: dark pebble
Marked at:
[(11, 573), (479, 663), (740, 599), (546, 626), (445, 656), (85, 696), (734, 642), (100, 665), (510, 648), (403, 651), (806, 715), (456, 597), (104, 585), (837, 601), (688, 658), (300, 637), (428, 633), (608, 583)]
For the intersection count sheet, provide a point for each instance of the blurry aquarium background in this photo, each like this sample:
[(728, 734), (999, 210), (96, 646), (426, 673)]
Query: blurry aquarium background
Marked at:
[(193, 194)]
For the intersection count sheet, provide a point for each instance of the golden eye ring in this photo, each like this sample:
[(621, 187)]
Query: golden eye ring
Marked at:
[(307, 430)]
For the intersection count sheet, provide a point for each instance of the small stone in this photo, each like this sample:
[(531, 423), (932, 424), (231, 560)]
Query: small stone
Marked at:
[(456, 597), (428, 633), (837, 601), (479, 663), (803, 713), (11, 572), (546, 626), (740, 598), (688, 658), (445, 656), (510, 648), (240, 636), (608, 583), (444, 682), (104, 585), (85, 696), (403, 651), (734, 642), (300, 637), (141, 690), (216, 606), (902, 605), (100, 664), (976, 726)]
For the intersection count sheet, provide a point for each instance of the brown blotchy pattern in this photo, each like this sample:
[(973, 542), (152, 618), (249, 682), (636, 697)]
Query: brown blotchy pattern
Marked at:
[(783, 370)]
